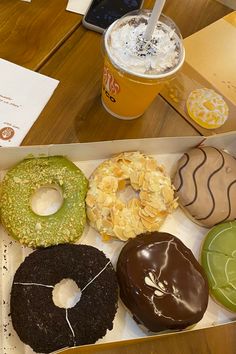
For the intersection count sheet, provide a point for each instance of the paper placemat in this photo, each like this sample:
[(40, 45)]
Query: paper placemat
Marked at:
[(78, 6), (23, 95)]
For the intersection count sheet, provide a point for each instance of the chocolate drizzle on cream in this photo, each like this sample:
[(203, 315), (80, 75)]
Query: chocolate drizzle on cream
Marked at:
[(228, 197), (194, 177), (161, 282), (180, 174), (207, 188)]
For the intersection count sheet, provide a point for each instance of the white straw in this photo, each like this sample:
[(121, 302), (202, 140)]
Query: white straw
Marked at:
[(156, 12)]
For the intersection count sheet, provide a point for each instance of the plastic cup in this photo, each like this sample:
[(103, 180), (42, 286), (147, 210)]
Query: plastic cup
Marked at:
[(126, 91)]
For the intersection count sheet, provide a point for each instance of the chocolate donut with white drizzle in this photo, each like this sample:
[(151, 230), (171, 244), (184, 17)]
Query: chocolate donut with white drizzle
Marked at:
[(205, 184), (161, 282), (39, 322)]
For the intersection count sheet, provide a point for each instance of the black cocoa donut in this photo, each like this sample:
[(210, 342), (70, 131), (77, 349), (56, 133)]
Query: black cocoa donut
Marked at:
[(47, 327), (161, 282)]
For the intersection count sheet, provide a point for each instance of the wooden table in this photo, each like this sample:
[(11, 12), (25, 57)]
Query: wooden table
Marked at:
[(44, 37)]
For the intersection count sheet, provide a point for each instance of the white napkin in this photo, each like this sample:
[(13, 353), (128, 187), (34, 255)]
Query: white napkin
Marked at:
[(23, 95), (78, 6)]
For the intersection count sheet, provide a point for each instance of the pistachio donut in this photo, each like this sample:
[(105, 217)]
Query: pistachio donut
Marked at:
[(153, 196), (23, 180)]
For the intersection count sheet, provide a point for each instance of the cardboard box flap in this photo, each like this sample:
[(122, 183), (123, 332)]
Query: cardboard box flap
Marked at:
[(212, 53), (105, 149)]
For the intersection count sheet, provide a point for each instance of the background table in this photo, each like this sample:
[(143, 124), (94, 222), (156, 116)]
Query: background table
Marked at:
[(42, 36)]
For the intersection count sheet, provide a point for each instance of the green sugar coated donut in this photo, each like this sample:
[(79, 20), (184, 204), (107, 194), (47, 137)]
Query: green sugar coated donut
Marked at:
[(218, 258), (23, 180)]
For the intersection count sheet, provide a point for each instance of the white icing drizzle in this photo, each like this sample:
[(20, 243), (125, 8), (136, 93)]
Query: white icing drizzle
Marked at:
[(225, 270), (37, 284), (161, 286), (222, 292), (166, 257), (70, 326), (220, 232), (157, 311), (92, 280), (51, 286)]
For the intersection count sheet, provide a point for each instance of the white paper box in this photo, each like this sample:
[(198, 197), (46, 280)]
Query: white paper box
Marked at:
[(87, 156)]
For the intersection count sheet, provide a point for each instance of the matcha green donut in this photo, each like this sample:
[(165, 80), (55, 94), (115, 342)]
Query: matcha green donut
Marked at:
[(18, 186), (218, 258)]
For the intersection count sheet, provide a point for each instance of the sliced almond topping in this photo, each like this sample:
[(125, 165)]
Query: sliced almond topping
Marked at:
[(90, 214), (106, 224), (101, 197), (108, 184), (90, 200), (121, 184), (119, 233), (129, 233), (105, 237), (168, 194), (110, 215), (151, 165), (134, 203)]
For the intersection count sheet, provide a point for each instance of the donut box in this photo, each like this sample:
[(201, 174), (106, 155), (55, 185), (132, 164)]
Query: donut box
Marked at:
[(88, 156)]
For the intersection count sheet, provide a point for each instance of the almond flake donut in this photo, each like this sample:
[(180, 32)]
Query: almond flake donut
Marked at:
[(113, 217), (207, 108), (18, 186)]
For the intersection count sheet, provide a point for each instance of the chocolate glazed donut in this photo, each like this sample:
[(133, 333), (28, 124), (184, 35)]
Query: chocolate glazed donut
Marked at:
[(161, 282), (47, 327)]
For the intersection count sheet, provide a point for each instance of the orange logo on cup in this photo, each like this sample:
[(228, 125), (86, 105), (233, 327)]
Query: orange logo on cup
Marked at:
[(110, 83), (6, 133)]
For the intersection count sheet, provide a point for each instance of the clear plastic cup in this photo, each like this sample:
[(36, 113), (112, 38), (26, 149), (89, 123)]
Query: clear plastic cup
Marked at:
[(135, 70)]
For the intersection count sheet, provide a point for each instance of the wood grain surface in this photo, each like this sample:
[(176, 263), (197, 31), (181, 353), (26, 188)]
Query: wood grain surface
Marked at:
[(42, 36), (217, 340), (75, 112), (31, 32)]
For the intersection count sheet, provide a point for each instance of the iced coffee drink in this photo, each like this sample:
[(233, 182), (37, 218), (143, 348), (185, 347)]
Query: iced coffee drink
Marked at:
[(135, 68)]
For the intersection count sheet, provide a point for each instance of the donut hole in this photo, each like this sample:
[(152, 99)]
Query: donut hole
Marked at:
[(47, 200), (127, 193), (66, 294)]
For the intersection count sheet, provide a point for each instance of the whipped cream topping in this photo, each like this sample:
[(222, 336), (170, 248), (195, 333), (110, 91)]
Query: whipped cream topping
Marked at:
[(128, 49)]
